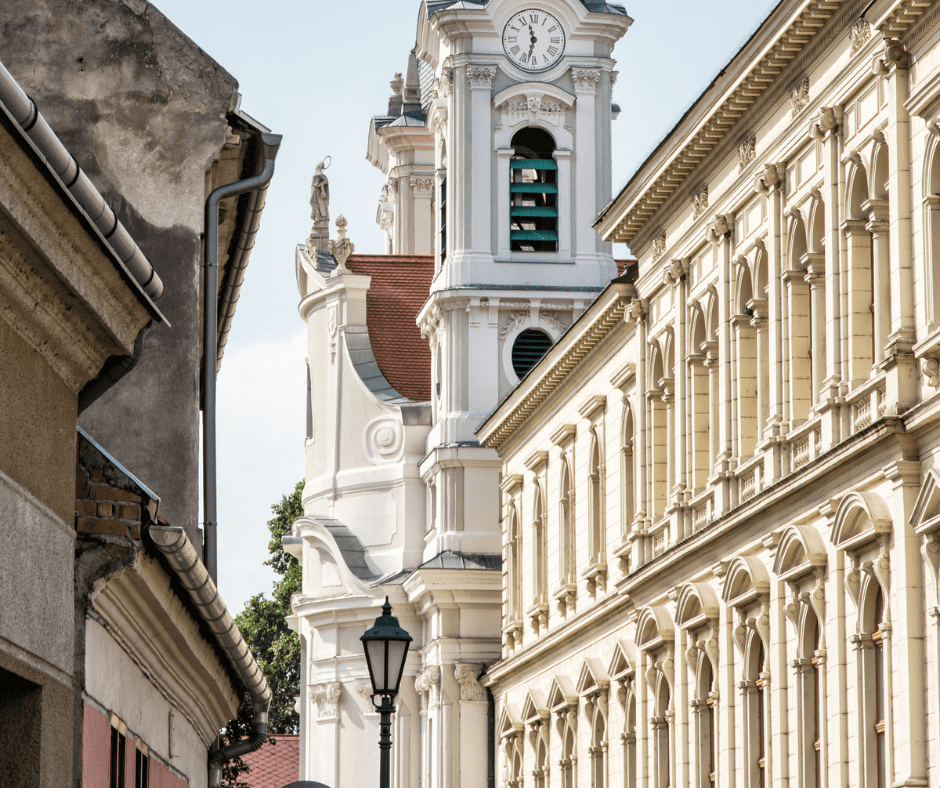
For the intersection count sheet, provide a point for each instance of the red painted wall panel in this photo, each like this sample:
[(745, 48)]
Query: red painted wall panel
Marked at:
[(96, 749), (160, 777)]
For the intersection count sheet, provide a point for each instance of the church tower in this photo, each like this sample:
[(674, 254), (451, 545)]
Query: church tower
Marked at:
[(496, 147), (521, 114)]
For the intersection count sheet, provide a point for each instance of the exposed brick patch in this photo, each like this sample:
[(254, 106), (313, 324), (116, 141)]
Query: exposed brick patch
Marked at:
[(105, 510), (400, 286)]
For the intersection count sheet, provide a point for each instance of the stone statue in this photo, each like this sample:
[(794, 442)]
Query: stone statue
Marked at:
[(320, 196)]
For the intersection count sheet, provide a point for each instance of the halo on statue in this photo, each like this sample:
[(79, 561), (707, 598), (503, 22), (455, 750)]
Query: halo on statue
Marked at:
[(327, 161)]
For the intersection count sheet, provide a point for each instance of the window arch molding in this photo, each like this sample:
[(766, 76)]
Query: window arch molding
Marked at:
[(746, 581), (537, 104), (537, 720), (801, 551), (511, 737), (861, 518)]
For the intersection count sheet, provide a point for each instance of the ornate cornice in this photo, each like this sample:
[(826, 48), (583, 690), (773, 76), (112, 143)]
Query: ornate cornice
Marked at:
[(755, 94), (904, 17)]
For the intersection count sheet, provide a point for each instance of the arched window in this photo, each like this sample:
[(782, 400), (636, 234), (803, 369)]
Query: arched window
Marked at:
[(566, 522), (629, 737), (533, 189), (813, 702), (873, 689), (627, 473), (596, 502), (799, 326), (540, 554), (756, 708), (662, 734), (514, 567), (879, 689)]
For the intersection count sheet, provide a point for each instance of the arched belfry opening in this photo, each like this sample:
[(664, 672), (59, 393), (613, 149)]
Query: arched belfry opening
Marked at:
[(533, 189)]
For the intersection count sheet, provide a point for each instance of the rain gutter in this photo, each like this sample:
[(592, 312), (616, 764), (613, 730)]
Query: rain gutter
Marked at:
[(131, 261), (270, 144), (240, 250), (77, 191), (183, 559)]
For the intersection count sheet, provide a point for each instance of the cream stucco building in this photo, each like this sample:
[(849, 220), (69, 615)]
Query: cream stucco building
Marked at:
[(720, 501)]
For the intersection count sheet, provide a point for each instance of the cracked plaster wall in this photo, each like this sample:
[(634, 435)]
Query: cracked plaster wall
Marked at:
[(142, 109)]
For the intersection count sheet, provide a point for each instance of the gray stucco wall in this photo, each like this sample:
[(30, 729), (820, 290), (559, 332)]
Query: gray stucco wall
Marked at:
[(143, 111)]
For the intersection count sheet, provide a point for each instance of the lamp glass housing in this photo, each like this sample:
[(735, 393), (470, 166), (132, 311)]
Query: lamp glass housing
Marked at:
[(386, 648)]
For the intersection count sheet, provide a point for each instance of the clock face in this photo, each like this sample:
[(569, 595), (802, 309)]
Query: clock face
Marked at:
[(534, 40)]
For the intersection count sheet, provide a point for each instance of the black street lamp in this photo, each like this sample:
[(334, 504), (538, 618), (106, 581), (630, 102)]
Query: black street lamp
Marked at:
[(386, 647)]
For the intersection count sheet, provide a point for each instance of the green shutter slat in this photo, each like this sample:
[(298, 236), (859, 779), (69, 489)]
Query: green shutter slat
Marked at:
[(528, 210), (534, 188), (532, 235), (533, 164)]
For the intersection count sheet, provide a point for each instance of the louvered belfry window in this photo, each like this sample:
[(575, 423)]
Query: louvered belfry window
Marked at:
[(528, 350), (533, 190)]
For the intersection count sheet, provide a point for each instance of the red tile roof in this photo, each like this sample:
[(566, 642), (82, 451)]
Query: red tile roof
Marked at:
[(400, 286), (275, 765)]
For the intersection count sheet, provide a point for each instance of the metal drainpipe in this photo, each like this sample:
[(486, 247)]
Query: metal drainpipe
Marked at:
[(270, 142)]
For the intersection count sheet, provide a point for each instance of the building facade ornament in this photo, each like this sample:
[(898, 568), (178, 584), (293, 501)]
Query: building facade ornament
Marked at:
[(747, 152), (895, 56), (859, 34), (427, 683), (326, 696), (342, 248), (699, 202), (659, 244), (467, 675), (585, 80), (422, 186), (481, 77), (799, 96)]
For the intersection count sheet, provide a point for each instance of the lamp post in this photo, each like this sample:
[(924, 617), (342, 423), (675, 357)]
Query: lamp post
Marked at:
[(386, 647)]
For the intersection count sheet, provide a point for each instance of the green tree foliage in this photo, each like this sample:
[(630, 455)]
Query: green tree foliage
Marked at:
[(275, 647)]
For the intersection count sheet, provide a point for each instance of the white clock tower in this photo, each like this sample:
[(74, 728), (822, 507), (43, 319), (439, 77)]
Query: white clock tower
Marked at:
[(496, 146), (521, 116)]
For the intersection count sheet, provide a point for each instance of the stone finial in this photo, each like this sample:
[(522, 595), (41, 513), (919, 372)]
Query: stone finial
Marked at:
[(395, 100), (341, 248)]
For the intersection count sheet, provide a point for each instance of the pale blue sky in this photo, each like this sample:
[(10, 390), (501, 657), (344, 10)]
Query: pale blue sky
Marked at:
[(316, 71)]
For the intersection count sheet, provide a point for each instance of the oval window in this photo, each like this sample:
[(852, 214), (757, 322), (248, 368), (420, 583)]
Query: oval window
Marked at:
[(528, 350)]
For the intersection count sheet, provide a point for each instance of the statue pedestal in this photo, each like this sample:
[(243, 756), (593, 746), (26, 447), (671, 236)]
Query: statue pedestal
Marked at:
[(319, 238)]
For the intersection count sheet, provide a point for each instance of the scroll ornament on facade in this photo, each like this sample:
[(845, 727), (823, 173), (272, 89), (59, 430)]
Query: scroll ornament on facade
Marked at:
[(747, 152), (467, 674), (427, 680), (799, 96), (326, 697), (859, 34), (659, 245), (699, 202)]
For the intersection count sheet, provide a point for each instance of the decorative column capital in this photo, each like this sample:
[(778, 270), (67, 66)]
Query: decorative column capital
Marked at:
[(585, 80), (422, 186), (481, 77), (326, 697), (895, 56), (467, 675)]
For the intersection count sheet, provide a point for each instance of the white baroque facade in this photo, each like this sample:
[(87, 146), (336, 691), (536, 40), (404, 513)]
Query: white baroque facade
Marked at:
[(496, 168), (720, 500)]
